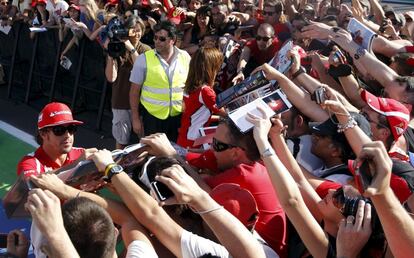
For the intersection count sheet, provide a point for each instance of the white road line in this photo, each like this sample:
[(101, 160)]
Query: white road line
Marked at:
[(21, 135)]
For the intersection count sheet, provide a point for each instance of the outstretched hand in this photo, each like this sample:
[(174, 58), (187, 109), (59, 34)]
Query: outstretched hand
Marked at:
[(380, 166), (261, 124), (185, 189)]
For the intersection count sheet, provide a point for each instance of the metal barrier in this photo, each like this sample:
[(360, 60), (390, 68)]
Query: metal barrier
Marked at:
[(83, 87)]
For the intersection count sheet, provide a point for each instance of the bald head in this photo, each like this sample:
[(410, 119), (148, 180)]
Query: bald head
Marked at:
[(266, 28)]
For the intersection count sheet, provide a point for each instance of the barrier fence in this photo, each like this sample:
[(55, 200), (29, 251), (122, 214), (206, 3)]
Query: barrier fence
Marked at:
[(32, 69)]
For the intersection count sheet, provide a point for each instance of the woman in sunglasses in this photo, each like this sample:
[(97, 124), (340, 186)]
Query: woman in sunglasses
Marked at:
[(199, 97), (335, 226), (117, 72)]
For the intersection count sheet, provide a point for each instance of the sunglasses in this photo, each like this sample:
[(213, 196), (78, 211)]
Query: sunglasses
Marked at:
[(258, 38), (267, 13), (372, 121), (219, 146), (61, 130), (160, 38)]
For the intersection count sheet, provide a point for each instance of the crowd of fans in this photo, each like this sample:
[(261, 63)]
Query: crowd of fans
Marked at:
[(331, 177)]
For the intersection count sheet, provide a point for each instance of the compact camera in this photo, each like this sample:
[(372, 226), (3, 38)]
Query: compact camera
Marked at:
[(319, 95), (65, 63), (162, 192)]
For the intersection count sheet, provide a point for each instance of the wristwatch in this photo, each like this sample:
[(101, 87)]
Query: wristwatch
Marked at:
[(111, 170), (133, 50), (298, 72)]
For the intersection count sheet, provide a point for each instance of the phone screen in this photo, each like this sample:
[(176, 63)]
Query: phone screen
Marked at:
[(161, 190)]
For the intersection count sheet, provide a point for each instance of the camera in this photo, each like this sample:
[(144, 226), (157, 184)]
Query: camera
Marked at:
[(348, 206), (162, 192), (319, 95), (116, 32), (65, 63)]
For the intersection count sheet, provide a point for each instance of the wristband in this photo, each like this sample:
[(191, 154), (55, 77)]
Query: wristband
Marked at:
[(108, 167), (341, 70), (298, 72)]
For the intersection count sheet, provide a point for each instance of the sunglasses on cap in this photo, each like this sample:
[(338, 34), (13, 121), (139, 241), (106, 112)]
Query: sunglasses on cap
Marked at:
[(219, 146), (258, 38), (60, 130), (160, 38)]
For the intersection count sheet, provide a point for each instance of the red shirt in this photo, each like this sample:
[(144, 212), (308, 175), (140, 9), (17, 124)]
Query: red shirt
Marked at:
[(253, 177), (38, 162), (263, 56), (197, 109)]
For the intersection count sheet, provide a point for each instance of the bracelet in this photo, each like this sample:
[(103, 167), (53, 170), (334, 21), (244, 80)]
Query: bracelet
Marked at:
[(351, 123), (297, 73), (208, 211), (108, 167)]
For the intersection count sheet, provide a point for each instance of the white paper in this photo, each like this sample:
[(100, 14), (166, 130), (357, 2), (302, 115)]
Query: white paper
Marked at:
[(38, 29), (239, 116), (5, 29)]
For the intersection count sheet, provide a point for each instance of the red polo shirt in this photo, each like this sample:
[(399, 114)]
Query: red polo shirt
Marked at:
[(263, 56), (254, 177), (38, 162)]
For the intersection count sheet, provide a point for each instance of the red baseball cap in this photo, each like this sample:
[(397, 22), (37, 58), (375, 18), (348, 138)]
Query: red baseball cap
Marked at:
[(36, 2), (397, 114), (175, 17), (56, 113), (238, 201)]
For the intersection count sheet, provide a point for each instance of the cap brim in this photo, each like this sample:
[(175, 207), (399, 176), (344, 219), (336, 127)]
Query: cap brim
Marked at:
[(72, 122), (372, 101)]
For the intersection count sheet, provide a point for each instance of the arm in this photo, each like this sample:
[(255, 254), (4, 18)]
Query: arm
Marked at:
[(397, 224), (134, 97), (244, 58), (289, 195), (44, 207), (68, 46), (377, 10), (298, 97), (111, 69), (376, 68), (131, 229), (231, 233)]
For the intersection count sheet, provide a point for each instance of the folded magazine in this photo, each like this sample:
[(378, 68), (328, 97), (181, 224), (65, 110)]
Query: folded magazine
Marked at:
[(83, 175), (274, 103), (361, 34)]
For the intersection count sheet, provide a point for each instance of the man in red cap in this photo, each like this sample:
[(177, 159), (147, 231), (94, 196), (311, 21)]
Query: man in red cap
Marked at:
[(55, 135), (388, 119)]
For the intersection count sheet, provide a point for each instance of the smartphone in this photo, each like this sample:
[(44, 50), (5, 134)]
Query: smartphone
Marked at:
[(362, 174), (162, 192), (3, 240)]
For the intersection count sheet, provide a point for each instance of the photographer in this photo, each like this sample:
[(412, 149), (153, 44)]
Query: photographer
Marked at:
[(397, 224), (117, 72)]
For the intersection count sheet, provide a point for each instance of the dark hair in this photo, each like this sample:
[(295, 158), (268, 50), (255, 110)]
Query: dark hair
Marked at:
[(158, 164), (89, 227), (222, 6), (132, 21), (168, 26), (204, 66), (242, 140), (403, 68), (204, 10), (344, 147), (383, 123)]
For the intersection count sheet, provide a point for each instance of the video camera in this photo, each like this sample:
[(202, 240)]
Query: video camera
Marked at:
[(116, 32)]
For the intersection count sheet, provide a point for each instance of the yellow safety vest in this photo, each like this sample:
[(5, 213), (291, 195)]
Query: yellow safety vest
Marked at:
[(158, 97)]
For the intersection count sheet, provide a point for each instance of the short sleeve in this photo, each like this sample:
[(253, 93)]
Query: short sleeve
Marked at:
[(28, 166), (139, 70), (139, 249), (209, 99), (196, 246)]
